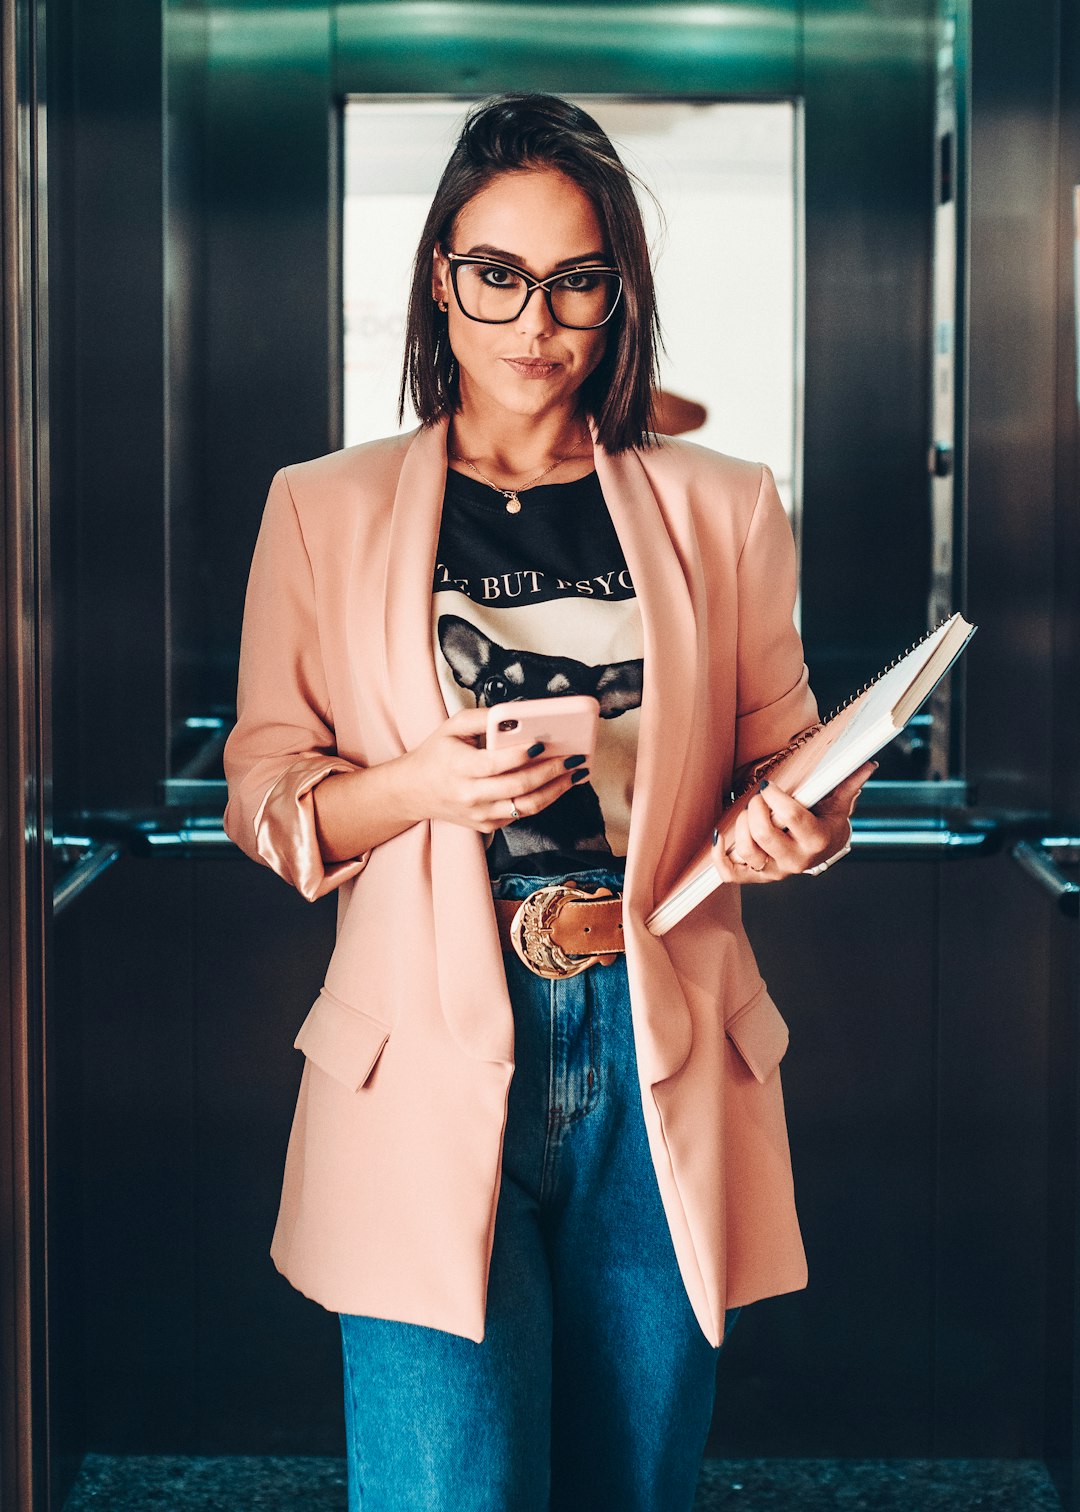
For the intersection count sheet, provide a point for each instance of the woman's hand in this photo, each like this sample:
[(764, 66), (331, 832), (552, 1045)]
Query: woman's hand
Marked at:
[(776, 836), (451, 775)]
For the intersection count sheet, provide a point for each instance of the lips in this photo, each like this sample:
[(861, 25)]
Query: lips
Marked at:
[(531, 367)]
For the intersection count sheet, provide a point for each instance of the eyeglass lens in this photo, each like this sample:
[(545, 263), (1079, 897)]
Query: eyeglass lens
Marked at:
[(490, 292)]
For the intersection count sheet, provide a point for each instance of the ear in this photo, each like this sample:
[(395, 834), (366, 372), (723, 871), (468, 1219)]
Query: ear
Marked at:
[(440, 275)]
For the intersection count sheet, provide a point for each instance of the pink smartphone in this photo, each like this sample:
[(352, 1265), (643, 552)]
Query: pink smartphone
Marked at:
[(567, 725)]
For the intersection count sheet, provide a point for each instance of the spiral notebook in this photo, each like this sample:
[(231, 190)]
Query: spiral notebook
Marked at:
[(817, 759)]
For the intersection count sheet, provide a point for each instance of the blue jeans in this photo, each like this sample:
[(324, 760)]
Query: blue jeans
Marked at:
[(593, 1387)]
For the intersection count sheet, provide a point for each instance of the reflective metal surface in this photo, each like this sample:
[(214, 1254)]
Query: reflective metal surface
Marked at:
[(271, 182), (739, 49), (194, 311), (946, 456), (25, 758), (89, 866), (1044, 861)]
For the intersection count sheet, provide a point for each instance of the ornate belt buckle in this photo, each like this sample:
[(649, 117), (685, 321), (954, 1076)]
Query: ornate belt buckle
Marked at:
[(530, 930)]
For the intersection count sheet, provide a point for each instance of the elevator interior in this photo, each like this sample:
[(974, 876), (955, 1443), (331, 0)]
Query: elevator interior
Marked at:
[(186, 310)]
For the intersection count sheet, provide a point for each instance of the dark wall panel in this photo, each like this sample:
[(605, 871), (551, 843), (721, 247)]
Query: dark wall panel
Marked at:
[(269, 1358), (110, 529), (139, 1175), (270, 334), (868, 87), (108, 646), (991, 1179), (857, 991), (1011, 402), (193, 1344), (63, 1044), (188, 543), (1063, 1238)]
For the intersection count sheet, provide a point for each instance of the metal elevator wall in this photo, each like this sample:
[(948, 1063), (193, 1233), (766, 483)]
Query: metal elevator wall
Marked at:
[(926, 1000)]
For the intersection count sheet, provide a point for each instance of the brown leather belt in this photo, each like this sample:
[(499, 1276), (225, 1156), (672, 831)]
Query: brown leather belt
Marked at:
[(561, 929)]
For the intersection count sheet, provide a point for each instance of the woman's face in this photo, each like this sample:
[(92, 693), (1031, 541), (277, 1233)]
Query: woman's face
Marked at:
[(536, 219)]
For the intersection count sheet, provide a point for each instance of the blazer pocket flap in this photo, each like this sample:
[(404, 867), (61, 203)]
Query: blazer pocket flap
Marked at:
[(760, 1034), (341, 1040)]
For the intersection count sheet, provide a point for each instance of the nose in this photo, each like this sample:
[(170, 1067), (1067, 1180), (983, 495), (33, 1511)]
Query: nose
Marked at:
[(535, 315)]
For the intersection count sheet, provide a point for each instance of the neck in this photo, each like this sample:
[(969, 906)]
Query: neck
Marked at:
[(516, 445)]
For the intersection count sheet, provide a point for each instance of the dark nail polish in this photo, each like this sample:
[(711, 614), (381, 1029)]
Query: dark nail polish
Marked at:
[(763, 784), (573, 761), (534, 750), (581, 772), (716, 834)]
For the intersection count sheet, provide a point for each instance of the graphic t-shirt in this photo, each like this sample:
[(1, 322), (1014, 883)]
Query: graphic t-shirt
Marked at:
[(539, 603)]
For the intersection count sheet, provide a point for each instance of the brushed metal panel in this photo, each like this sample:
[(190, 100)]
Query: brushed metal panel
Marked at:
[(868, 91), (26, 876), (271, 335), (484, 46), (1011, 403), (1062, 1431), (185, 45)]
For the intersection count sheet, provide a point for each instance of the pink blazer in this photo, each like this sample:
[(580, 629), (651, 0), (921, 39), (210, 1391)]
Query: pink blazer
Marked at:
[(394, 1160)]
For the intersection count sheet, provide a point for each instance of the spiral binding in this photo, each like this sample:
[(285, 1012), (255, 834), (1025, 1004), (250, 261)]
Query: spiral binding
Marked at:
[(764, 767), (761, 768), (919, 640)]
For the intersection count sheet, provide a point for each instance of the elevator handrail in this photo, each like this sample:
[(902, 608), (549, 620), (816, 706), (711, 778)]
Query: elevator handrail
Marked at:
[(104, 837), (96, 859), (1041, 858)]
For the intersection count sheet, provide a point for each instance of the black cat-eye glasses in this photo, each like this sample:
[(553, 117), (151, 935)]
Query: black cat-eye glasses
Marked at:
[(496, 292)]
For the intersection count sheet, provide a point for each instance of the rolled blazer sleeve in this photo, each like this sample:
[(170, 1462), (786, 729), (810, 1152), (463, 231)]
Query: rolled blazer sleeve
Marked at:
[(283, 742), (775, 702)]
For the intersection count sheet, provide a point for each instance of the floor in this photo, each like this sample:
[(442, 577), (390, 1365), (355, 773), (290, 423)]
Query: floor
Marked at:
[(254, 1484)]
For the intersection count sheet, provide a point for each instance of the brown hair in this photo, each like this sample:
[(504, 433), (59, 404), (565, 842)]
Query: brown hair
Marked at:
[(507, 134)]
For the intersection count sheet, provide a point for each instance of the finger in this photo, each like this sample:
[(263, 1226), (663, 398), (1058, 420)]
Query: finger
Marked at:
[(783, 849), (516, 758), (745, 846), (789, 814), (526, 779), (466, 722), (727, 869), (734, 871), (529, 801)]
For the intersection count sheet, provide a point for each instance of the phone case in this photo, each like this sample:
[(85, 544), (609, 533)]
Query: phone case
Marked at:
[(567, 726)]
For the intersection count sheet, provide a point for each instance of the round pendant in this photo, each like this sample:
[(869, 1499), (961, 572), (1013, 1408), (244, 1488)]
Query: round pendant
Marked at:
[(513, 504)]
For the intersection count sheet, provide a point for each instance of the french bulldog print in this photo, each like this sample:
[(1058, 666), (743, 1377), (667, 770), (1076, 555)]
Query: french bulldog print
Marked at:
[(496, 674)]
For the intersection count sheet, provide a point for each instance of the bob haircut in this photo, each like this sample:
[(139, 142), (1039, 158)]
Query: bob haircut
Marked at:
[(506, 134)]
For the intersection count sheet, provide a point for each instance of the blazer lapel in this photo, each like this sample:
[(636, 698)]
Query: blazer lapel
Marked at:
[(472, 979), (413, 540), (669, 688), (670, 681)]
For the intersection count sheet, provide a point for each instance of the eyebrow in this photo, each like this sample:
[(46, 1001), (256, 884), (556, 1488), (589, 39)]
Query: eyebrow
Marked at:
[(484, 249)]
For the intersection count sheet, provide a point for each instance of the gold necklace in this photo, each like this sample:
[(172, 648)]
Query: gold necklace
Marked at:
[(513, 503)]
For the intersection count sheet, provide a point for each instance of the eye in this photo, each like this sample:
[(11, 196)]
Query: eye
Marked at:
[(495, 691), (579, 283), (496, 277)]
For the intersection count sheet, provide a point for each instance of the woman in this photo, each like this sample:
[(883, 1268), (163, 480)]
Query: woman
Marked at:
[(536, 1202)]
